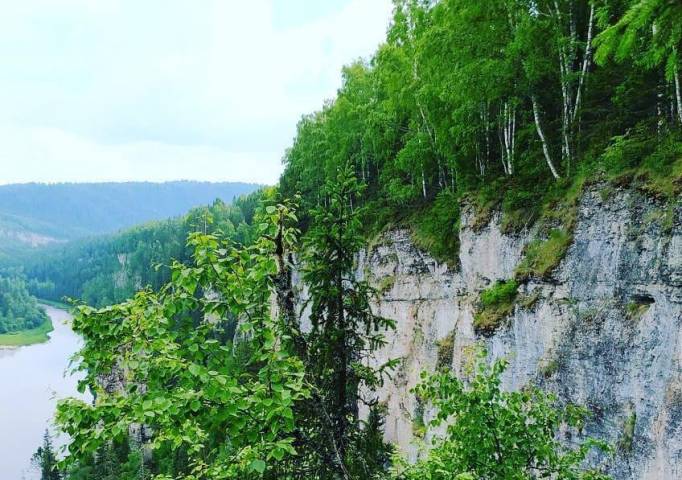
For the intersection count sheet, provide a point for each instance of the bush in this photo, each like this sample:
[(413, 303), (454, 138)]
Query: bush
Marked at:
[(495, 304), (494, 434)]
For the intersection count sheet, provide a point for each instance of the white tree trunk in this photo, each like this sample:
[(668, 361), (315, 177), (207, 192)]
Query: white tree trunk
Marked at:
[(508, 134), (587, 60), (568, 55), (678, 95), (503, 150), (512, 146), (545, 147)]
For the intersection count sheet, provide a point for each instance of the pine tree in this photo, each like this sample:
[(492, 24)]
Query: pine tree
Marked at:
[(344, 334), (45, 459)]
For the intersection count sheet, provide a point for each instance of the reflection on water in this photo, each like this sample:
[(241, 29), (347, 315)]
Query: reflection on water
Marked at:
[(31, 380), (7, 352)]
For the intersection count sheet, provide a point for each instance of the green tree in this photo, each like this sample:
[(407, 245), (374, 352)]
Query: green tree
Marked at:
[(18, 309), (338, 349), (648, 32), (499, 435), (227, 405), (45, 459)]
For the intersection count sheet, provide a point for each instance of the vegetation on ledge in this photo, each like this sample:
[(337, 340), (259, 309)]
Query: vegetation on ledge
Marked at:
[(541, 257), (495, 304)]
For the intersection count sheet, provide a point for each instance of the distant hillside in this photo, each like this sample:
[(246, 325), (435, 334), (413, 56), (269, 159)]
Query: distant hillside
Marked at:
[(109, 268), (37, 214)]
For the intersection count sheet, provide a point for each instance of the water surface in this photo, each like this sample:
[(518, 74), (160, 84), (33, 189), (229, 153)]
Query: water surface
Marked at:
[(32, 378)]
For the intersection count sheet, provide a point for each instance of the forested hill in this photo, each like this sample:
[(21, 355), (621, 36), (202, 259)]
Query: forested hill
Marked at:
[(509, 105), (109, 268), (18, 310), (35, 214)]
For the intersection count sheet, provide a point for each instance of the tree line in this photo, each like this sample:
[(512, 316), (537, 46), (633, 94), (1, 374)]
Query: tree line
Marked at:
[(501, 103)]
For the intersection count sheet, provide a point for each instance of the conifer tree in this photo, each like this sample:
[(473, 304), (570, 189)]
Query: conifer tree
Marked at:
[(344, 333), (45, 459)]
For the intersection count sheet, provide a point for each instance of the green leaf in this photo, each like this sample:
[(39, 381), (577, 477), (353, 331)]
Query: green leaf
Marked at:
[(257, 466)]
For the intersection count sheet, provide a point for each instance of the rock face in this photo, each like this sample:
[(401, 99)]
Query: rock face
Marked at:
[(604, 332)]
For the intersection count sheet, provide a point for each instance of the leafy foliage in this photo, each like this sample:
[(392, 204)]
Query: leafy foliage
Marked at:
[(226, 405), (493, 434), (649, 32)]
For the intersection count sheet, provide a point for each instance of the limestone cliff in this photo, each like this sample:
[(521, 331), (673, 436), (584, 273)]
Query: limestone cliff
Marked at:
[(602, 331)]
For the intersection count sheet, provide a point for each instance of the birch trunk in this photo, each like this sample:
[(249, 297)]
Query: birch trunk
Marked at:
[(678, 95), (509, 133), (587, 61), (545, 148)]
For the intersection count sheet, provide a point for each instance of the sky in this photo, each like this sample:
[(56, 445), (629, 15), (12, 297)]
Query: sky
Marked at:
[(157, 90)]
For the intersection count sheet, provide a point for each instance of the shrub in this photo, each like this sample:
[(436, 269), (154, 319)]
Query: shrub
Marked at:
[(494, 434), (495, 304), (445, 351)]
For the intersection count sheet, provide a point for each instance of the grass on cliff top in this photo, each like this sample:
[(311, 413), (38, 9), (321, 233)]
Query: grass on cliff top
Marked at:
[(495, 304), (648, 162), (27, 337), (435, 228)]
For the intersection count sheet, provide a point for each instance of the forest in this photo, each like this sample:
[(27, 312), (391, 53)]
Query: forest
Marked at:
[(510, 105), (109, 269), (34, 215), (18, 309)]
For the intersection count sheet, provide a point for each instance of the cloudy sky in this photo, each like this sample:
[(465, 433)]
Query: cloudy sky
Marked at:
[(95, 90)]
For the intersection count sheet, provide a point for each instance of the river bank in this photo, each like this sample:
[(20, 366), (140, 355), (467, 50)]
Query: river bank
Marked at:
[(24, 338), (33, 379), (32, 336)]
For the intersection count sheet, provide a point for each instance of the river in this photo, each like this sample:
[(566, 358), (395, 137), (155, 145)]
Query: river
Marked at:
[(32, 378)]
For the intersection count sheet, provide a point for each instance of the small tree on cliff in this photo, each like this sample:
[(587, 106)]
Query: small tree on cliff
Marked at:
[(499, 435), (344, 334)]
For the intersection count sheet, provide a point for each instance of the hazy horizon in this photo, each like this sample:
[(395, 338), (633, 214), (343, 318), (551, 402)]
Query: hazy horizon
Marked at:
[(103, 91), (180, 180)]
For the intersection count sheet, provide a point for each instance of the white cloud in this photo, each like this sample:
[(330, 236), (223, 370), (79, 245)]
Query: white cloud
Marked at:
[(121, 90)]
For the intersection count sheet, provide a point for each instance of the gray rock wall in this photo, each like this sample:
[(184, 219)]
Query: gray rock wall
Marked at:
[(604, 332)]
